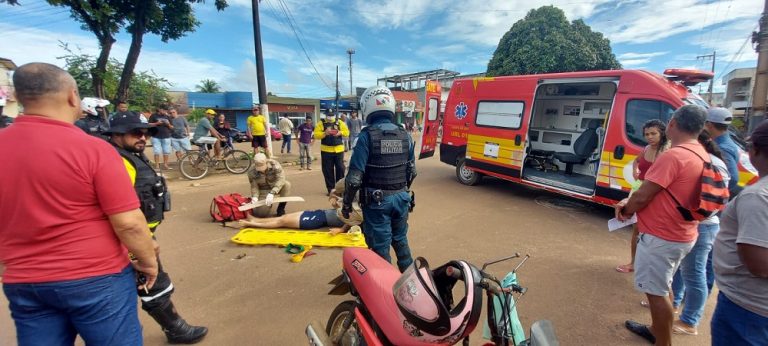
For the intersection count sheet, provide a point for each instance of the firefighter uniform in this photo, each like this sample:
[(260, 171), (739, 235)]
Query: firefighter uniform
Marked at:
[(382, 168), (267, 177)]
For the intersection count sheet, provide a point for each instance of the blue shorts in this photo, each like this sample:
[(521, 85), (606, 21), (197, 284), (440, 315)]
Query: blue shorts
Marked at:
[(161, 146), (181, 144), (314, 219)]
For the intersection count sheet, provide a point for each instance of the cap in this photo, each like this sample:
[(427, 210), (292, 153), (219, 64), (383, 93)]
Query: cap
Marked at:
[(126, 122), (259, 161), (210, 111), (759, 137), (719, 115)]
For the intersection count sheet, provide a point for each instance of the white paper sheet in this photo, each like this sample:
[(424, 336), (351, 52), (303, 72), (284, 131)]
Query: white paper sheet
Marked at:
[(614, 224)]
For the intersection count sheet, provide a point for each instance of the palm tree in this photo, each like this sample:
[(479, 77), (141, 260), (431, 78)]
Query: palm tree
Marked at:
[(208, 86)]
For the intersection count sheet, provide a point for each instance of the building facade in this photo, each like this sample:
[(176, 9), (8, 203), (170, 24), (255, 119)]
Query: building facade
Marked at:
[(8, 105), (738, 91), (236, 106)]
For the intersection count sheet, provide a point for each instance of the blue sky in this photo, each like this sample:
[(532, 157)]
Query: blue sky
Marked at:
[(390, 37)]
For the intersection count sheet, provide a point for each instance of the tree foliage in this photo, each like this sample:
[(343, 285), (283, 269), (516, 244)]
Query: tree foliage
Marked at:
[(169, 19), (208, 86), (9, 2), (544, 41), (195, 115), (147, 90)]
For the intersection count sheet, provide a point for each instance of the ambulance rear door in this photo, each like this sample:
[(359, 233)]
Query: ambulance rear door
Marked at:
[(431, 119), (496, 140)]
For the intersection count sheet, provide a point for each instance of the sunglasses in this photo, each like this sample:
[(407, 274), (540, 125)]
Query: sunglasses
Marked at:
[(137, 133)]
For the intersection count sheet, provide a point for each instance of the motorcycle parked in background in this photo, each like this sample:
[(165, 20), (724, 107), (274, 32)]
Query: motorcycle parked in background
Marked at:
[(417, 307)]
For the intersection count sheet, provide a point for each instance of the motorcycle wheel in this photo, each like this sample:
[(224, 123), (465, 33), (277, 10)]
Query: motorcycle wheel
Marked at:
[(341, 326)]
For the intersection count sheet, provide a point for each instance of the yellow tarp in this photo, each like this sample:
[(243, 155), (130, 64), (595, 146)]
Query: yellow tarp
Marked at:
[(253, 236)]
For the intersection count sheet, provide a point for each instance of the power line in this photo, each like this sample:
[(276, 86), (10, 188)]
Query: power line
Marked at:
[(301, 44), (736, 56)]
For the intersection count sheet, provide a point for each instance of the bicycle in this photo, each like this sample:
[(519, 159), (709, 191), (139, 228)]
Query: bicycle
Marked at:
[(195, 165)]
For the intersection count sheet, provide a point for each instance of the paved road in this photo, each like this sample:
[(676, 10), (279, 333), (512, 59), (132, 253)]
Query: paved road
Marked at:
[(264, 299)]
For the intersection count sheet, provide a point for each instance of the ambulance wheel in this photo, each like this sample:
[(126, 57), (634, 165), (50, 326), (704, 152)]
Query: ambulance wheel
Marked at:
[(465, 175)]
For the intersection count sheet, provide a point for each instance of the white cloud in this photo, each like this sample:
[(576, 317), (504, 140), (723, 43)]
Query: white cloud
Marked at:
[(183, 71), (634, 60), (651, 21)]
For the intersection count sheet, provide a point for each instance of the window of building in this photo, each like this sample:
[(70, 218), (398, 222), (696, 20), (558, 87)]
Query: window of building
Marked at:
[(640, 111), (505, 114)]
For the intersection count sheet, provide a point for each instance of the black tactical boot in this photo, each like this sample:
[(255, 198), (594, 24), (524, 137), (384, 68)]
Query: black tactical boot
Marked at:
[(281, 209), (176, 329)]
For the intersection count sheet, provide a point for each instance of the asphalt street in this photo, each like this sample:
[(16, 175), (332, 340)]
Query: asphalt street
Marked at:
[(256, 296)]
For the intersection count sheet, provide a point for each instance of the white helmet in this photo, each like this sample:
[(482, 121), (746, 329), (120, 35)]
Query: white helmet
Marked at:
[(377, 98), (89, 105)]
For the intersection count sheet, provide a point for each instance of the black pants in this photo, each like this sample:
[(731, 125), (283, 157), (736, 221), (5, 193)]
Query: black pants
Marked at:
[(160, 292), (333, 168)]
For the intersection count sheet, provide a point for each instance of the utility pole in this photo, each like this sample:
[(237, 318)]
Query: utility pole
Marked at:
[(261, 79), (760, 92), (336, 108), (712, 56), (351, 51)]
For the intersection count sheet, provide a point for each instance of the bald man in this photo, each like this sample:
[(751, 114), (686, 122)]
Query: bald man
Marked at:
[(70, 217)]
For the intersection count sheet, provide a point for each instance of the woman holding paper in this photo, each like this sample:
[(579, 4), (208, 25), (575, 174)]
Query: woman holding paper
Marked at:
[(654, 133)]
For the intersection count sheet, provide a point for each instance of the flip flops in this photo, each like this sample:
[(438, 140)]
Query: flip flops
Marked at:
[(641, 330), (625, 268), (678, 329)]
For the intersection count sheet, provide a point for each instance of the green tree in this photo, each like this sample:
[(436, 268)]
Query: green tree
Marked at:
[(208, 86), (195, 115), (170, 19), (147, 90), (544, 42)]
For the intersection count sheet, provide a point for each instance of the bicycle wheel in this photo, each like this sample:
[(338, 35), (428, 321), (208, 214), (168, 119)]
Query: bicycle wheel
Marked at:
[(193, 166), (237, 161)]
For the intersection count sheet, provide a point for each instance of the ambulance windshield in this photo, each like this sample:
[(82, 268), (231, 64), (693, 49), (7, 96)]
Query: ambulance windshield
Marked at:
[(696, 100)]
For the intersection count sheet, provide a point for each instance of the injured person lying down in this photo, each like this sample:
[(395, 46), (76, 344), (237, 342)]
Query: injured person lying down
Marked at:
[(313, 219)]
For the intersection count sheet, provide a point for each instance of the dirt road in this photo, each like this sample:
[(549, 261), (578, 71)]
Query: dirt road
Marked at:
[(264, 299)]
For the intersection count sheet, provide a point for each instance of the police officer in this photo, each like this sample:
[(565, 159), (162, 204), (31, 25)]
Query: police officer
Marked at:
[(93, 123), (128, 135), (382, 168)]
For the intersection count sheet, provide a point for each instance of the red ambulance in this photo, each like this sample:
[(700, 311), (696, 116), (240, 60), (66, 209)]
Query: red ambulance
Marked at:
[(574, 133)]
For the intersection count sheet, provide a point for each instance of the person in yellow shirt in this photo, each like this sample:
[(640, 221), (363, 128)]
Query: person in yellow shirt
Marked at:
[(128, 135), (331, 132), (256, 130)]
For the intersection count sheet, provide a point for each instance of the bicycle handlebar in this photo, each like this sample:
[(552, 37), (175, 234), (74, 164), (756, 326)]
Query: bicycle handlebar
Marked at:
[(489, 282)]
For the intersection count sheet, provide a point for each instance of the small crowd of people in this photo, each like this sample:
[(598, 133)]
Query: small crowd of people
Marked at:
[(77, 241), (675, 259)]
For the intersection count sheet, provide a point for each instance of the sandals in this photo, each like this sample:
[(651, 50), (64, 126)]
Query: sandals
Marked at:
[(677, 328), (625, 268), (641, 330)]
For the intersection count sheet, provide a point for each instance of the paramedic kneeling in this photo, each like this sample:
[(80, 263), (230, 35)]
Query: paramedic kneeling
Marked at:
[(267, 179), (382, 168), (129, 135)]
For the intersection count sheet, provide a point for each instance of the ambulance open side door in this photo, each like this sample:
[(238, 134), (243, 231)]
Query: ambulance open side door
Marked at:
[(431, 119)]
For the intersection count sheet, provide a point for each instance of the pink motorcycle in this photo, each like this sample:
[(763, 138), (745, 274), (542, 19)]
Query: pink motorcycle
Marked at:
[(417, 307)]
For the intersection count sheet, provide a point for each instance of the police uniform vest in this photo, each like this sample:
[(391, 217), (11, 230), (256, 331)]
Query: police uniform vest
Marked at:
[(95, 126), (387, 160), (331, 140), (150, 188)]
